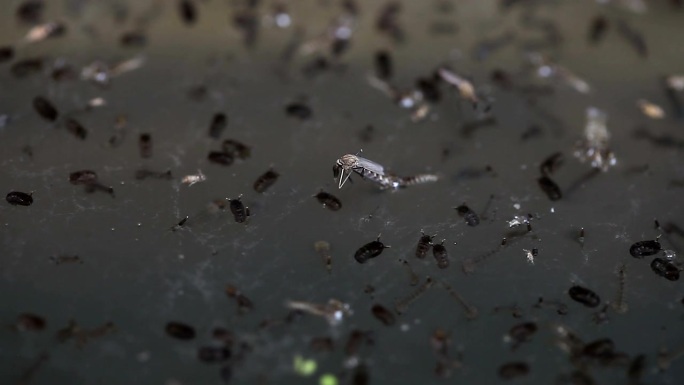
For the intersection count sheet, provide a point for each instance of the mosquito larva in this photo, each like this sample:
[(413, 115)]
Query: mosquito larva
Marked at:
[(323, 249), (470, 310), (620, 306), (403, 304), (412, 274)]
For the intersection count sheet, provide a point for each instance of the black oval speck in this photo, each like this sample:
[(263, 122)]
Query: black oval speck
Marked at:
[(45, 108), (180, 330), (644, 248), (19, 198), (584, 296)]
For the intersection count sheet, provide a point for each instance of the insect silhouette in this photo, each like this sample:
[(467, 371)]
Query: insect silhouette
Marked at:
[(424, 244), (369, 250), (240, 212)]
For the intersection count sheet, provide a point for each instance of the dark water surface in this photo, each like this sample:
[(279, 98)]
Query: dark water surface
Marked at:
[(138, 274)]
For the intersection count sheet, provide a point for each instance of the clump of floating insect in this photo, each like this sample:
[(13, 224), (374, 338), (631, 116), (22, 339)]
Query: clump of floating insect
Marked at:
[(374, 172), (546, 68), (593, 147), (334, 311)]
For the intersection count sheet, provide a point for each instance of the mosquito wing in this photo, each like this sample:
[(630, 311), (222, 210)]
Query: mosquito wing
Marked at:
[(370, 166)]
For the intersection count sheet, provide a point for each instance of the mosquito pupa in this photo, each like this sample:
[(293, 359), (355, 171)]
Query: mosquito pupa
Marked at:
[(19, 198), (441, 255), (369, 250), (240, 212), (424, 244)]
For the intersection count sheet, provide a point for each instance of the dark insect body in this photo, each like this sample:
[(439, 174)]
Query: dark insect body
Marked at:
[(551, 164), (383, 315), (187, 11), (145, 145), (221, 158), (236, 149), (19, 198), (133, 39), (665, 269), (383, 65), (644, 248), (441, 255), (423, 246), (329, 201), (180, 330), (26, 67), (369, 250), (597, 28), (83, 177), (469, 216), (213, 354), (218, 125), (30, 322), (149, 174), (298, 110), (76, 128), (240, 212), (6, 53), (521, 333), (45, 108), (265, 181), (584, 296), (513, 370), (550, 188)]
